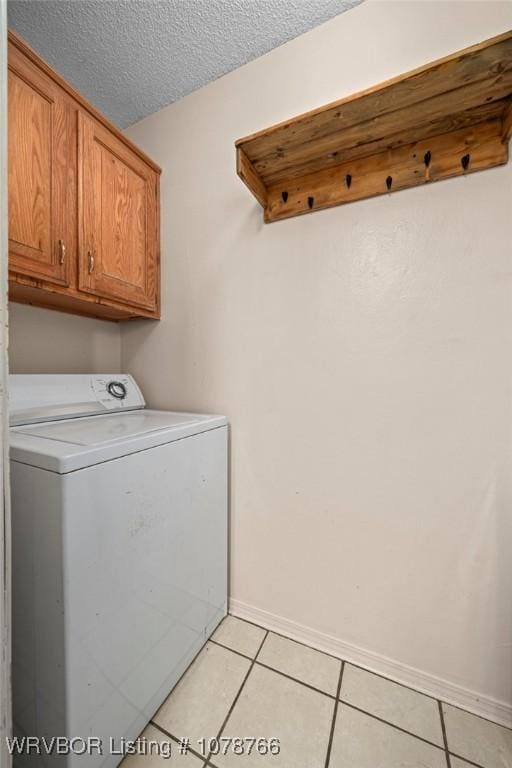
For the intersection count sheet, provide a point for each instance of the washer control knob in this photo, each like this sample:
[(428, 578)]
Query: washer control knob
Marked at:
[(116, 389)]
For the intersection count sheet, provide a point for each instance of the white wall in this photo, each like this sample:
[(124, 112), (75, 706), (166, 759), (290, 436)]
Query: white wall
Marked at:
[(45, 341), (363, 356)]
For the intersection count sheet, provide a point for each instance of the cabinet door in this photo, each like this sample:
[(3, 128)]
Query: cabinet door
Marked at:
[(38, 158), (117, 219)]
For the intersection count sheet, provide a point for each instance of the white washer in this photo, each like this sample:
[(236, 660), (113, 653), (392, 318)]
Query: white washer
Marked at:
[(119, 554)]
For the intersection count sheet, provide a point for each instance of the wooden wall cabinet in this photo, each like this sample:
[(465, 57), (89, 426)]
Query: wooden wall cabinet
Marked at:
[(38, 125), (83, 201), (117, 218)]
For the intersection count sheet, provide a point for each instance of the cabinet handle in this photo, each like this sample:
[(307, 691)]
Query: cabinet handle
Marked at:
[(62, 251), (90, 258)]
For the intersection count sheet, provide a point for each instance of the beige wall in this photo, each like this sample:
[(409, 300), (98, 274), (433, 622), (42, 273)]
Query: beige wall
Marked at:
[(44, 341), (363, 356)]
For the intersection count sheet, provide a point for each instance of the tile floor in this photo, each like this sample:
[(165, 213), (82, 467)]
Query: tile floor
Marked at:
[(247, 682)]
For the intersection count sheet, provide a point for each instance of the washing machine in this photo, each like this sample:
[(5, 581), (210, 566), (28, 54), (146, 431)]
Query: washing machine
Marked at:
[(119, 555)]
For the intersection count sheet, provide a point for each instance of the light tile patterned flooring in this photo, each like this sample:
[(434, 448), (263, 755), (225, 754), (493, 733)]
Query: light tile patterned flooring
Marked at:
[(248, 682)]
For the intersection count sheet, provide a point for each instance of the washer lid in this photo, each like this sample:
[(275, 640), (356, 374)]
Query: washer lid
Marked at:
[(65, 446)]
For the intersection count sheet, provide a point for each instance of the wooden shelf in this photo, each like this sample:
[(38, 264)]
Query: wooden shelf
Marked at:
[(450, 117)]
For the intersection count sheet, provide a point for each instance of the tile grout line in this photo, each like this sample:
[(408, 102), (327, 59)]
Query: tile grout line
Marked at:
[(233, 704), (279, 671), (337, 699), (468, 712), (466, 760), (392, 725), (330, 695), (445, 737), (372, 672), (305, 645), (175, 739), (180, 678), (211, 765), (296, 680), (335, 712), (385, 722), (346, 661), (233, 650)]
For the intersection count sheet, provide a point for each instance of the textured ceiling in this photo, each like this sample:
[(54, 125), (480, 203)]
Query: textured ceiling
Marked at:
[(132, 57)]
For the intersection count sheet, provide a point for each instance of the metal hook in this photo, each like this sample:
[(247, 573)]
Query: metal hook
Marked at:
[(348, 180), (311, 201), (427, 157), (389, 182), (464, 161)]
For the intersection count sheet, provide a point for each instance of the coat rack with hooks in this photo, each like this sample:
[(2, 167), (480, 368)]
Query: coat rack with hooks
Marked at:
[(448, 118)]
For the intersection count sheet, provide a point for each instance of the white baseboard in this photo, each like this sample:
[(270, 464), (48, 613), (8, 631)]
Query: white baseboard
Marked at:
[(451, 693)]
